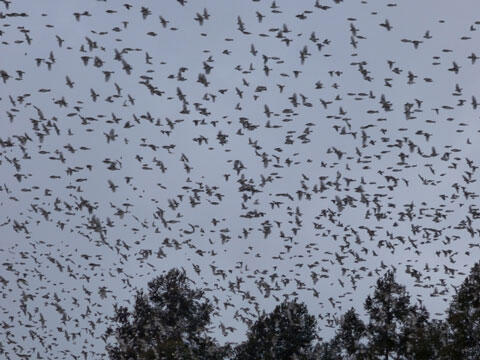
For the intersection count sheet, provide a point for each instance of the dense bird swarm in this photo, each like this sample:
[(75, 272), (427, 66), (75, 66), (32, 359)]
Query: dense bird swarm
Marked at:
[(273, 149)]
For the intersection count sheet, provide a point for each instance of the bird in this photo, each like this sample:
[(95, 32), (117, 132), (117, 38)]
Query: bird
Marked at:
[(204, 135), (386, 25)]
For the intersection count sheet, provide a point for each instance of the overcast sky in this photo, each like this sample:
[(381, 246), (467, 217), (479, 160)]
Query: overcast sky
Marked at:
[(308, 166)]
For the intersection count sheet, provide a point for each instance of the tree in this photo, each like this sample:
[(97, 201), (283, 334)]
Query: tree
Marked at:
[(327, 350), (351, 336), (463, 318), (422, 339), (170, 322), (286, 333), (388, 309), (437, 338)]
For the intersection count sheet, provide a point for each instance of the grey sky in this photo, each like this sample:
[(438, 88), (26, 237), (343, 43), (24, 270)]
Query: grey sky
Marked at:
[(307, 136)]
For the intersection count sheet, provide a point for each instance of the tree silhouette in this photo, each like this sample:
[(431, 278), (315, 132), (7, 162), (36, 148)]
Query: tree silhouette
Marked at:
[(170, 322), (350, 337), (286, 333), (389, 309), (464, 318), (327, 350), (418, 334)]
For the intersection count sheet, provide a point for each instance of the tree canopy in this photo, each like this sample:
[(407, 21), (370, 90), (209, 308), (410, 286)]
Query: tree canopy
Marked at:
[(171, 321), (286, 333), (464, 318)]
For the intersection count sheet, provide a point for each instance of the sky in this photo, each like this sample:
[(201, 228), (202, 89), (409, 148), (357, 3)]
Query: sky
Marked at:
[(145, 136)]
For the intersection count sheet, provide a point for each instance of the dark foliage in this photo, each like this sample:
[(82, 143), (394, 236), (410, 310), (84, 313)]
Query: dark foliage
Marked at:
[(170, 322), (464, 318), (286, 333)]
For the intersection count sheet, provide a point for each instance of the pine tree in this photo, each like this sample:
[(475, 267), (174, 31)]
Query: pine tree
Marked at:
[(350, 337), (422, 339), (285, 334), (327, 350), (388, 311), (169, 322), (464, 318)]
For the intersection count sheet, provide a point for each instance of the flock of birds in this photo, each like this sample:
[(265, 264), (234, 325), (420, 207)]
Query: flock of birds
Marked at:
[(272, 149)]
